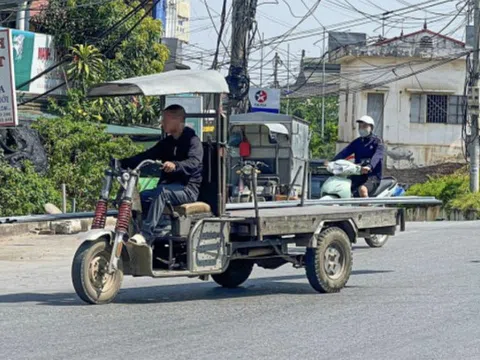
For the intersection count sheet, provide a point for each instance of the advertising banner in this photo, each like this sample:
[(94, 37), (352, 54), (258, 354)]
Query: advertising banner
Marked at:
[(32, 54), (8, 101)]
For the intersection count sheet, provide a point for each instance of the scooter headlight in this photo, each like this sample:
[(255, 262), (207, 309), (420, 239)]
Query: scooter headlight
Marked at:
[(125, 176)]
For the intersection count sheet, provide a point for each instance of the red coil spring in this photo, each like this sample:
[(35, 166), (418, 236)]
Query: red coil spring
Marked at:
[(124, 215), (100, 216)]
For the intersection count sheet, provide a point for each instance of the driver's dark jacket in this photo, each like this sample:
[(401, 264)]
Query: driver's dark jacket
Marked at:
[(366, 148), (186, 153)]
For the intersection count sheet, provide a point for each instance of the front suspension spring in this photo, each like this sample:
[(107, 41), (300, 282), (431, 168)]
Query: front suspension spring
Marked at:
[(100, 217), (124, 216)]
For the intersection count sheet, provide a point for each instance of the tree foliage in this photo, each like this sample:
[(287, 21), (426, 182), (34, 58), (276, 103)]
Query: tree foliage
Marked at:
[(78, 153), (83, 35), (311, 111)]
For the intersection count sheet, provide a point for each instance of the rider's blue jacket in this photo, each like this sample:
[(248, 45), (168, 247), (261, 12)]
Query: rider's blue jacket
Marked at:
[(366, 148)]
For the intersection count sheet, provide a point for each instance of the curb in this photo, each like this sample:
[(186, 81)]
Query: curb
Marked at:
[(63, 227)]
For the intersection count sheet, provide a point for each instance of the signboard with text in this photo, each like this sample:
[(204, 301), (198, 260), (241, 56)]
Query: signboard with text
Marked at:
[(8, 101), (32, 54), (264, 99)]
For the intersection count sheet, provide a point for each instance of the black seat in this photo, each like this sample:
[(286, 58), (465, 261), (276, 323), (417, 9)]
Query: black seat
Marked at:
[(385, 183)]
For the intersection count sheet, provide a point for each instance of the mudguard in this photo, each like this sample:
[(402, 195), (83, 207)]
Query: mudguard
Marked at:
[(95, 234)]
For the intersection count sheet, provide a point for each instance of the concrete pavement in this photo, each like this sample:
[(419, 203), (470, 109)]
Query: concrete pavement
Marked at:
[(416, 298)]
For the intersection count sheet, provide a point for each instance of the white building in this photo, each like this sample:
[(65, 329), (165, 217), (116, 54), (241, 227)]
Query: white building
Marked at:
[(178, 20), (413, 87)]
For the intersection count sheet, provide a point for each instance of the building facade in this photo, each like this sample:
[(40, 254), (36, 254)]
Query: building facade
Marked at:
[(413, 86)]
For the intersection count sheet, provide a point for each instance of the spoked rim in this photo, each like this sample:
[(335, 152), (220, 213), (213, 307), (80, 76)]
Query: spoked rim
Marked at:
[(334, 261)]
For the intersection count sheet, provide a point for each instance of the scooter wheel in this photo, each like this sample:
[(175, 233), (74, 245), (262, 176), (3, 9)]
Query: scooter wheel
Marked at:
[(376, 241), (90, 278)]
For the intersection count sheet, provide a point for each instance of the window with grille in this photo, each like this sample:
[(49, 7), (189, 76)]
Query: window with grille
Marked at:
[(437, 109)]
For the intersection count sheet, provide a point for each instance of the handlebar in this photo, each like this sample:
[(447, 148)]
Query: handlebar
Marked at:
[(148, 162)]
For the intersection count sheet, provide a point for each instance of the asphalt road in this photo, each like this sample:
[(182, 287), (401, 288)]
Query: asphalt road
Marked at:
[(416, 298)]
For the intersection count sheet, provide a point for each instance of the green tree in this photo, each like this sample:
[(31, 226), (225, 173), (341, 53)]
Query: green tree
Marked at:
[(75, 22), (86, 66), (78, 153), (311, 111), (83, 34)]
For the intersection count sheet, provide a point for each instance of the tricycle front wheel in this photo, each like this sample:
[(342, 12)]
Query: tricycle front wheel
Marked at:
[(90, 277), (329, 265)]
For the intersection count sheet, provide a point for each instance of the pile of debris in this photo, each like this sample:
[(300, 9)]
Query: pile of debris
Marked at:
[(418, 175), (22, 143)]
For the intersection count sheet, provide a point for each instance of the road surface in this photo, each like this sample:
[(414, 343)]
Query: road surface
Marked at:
[(416, 298)]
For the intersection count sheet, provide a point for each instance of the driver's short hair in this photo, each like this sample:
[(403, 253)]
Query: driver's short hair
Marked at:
[(176, 110)]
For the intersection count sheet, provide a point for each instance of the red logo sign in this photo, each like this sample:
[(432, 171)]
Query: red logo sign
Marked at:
[(261, 96)]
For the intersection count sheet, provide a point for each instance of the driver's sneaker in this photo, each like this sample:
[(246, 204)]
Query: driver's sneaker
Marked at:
[(138, 239)]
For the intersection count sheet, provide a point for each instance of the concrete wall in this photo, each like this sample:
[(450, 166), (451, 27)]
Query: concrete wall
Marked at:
[(409, 144)]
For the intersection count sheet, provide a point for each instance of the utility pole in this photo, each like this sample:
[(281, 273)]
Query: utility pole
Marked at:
[(243, 15), (288, 78), (474, 105), (276, 62), (323, 85), (261, 60)]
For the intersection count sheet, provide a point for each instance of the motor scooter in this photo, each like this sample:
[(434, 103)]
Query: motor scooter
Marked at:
[(339, 186)]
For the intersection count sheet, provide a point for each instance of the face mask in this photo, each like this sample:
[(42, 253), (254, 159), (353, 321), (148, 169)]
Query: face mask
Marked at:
[(364, 132)]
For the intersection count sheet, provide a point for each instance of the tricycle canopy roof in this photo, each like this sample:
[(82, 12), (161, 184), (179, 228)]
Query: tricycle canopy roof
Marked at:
[(272, 127), (168, 83)]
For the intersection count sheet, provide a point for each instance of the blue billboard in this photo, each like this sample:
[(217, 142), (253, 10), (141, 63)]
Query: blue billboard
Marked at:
[(160, 12)]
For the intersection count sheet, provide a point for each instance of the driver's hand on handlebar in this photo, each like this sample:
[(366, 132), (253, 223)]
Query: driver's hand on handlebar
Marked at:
[(169, 167), (366, 170)]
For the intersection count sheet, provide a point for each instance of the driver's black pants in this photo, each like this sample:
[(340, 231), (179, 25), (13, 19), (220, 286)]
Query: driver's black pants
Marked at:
[(176, 194), (371, 183)]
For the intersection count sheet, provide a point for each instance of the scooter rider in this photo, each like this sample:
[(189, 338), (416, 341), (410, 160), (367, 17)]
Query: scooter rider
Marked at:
[(367, 148)]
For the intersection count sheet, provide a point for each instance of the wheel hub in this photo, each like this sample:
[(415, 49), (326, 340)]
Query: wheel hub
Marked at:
[(98, 273), (333, 263)]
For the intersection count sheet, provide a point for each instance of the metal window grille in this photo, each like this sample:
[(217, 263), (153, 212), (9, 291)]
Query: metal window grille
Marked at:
[(437, 107)]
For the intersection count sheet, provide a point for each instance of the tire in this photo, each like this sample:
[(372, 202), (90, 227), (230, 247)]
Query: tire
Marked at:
[(376, 241), (85, 269), (236, 274), (337, 243)]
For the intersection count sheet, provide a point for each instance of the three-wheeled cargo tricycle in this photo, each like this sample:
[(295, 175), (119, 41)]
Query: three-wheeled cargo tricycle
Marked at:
[(204, 238)]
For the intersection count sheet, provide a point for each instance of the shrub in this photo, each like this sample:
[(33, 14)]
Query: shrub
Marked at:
[(24, 192), (78, 154), (444, 188)]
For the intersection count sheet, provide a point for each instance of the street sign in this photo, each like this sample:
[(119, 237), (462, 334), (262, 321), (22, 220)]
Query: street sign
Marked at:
[(8, 100), (264, 99)]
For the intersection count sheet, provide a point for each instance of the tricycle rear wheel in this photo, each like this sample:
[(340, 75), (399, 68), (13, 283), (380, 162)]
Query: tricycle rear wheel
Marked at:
[(329, 265), (90, 278), (236, 274)]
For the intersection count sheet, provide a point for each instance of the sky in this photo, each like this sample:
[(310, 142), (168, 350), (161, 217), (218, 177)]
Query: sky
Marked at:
[(287, 17)]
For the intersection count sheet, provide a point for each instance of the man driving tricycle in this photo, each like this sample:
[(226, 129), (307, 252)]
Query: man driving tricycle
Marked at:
[(181, 153)]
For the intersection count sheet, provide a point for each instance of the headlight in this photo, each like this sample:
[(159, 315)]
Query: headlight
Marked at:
[(125, 176)]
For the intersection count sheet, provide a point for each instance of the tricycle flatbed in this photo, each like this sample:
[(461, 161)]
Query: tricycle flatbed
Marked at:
[(306, 219)]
